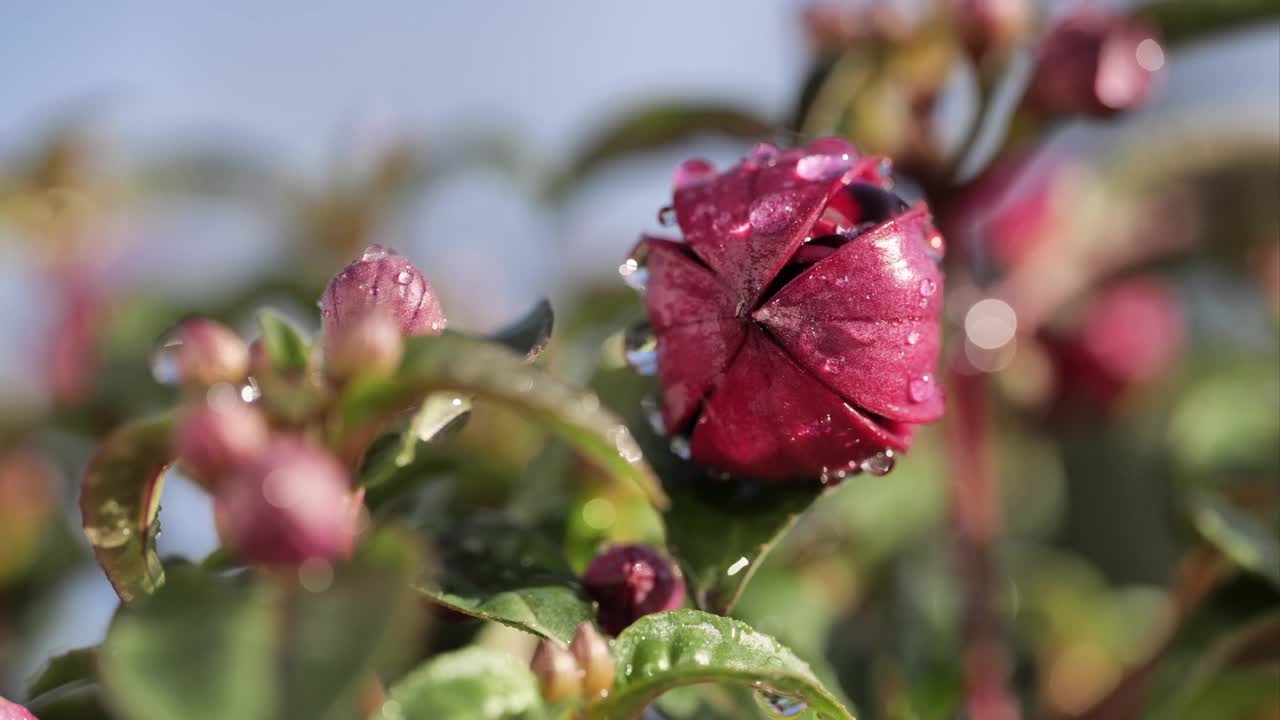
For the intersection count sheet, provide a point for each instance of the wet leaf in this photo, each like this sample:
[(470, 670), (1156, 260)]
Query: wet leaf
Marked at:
[(663, 651), (654, 126), (119, 500), (286, 347), (1240, 536), (471, 684), (489, 372), (720, 530), (530, 334), (494, 569), (208, 646)]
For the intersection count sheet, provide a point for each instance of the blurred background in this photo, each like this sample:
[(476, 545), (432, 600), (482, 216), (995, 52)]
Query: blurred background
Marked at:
[(1120, 277)]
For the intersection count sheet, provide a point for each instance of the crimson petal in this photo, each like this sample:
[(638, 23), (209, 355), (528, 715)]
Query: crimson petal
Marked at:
[(865, 320), (692, 314), (771, 420)]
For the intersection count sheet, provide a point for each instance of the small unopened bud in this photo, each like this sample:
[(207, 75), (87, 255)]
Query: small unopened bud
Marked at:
[(292, 502), (370, 345), (382, 282), (1095, 62), (200, 351), (631, 581), (591, 651), (984, 25), (559, 676), (215, 438), (14, 711)]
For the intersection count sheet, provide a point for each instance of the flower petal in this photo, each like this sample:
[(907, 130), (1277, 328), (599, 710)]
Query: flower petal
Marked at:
[(865, 320), (771, 420), (692, 314), (746, 222)]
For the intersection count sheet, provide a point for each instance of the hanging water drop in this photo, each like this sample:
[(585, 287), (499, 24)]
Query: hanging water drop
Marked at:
[(640, 346), (921, 388), (165, 360), (635, 271), (781, 706), (680, 447), (880, 464), (667, 217)]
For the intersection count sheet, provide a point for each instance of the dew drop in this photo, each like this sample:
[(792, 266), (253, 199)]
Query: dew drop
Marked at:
[(404, 278), (935, 247), (640, 346), (928, 287), (693, 172), (822, 167), (880, 464), (780, 706), (635, 271), (108, 537), (165, 362), (680, 447), (764, 153), (913, 338), (376, 252), (667, 216), (921, 388), (771, 213)]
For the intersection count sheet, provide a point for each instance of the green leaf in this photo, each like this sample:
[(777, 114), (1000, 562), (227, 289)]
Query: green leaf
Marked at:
[(1182, 22), (471, 684), (74, 701), (656, 125), (119, 499), (666, 650), (75, 666), (1240, 536), (286, 347), (462, 365), (209, 646), (530, 334), (496, 570), (719, 530)]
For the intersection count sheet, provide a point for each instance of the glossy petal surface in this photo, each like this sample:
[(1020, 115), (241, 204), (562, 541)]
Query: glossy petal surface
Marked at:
[(773, 421), (864, 320)]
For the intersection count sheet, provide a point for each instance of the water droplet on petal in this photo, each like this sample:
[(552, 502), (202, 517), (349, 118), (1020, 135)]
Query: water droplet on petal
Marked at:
[(640, 346), (921, 388), (822, 167), (935, 246), (880, 464), (404, 278), (771, 213), (913, 338), (928, 287), (764, 153), (165, 366), (667, 216), (634, 270), (693, 172), (781, 706), (377, 252), (680, 447)]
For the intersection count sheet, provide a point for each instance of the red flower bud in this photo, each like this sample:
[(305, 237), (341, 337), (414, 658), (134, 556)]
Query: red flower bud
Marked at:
[(987, 24), (200, 351), (369, 345), (1127, 336), (14, 711), (382, 282), (1095, 62), (797, 325), (293, 502), (631, 581), (215, 438)]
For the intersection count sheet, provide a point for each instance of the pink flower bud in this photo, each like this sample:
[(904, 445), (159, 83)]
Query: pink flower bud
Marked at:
[(558, 674), (215, 438), (382, 282), (987, 24), (591, 651), (292, 502), (14, 711), (1097, 63), (200, 351), (369, 345), (631, 581)]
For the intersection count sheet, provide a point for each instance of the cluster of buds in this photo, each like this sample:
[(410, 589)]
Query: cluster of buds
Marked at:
[(583, 670), (280, 497)]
